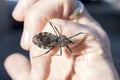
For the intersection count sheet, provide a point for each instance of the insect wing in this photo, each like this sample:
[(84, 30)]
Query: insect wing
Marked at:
[(45, 40)]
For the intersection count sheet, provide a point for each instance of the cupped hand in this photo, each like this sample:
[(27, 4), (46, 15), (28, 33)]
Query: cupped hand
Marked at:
[(91, 57), (90, 60)]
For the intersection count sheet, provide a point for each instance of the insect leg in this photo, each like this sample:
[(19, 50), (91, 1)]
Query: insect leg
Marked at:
[(60, 51), (44, 53), (48, 51), (55, 29), (69, 48), (75, 35)]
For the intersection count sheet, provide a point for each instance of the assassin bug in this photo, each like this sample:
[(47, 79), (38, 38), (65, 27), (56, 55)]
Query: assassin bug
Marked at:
[(48, 40)]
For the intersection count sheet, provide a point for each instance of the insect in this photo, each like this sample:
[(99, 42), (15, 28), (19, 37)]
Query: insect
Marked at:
[(48, 40)]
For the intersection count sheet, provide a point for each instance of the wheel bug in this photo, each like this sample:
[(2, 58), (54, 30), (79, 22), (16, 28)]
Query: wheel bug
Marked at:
[(47, 40)]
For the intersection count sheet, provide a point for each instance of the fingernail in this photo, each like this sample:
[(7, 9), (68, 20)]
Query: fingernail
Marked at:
[(25, 38)]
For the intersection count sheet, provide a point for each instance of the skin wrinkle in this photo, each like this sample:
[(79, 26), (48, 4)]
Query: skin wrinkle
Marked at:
[(98, 37), (89, 61), (93, 39)]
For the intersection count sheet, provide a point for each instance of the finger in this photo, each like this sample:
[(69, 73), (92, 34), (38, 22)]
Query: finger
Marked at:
[(18, 67), (40, 66), (39, 14), (21, 9), (40, 60), (80, 14)]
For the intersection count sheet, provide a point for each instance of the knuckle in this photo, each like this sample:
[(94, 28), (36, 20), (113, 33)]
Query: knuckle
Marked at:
[(17, 16)]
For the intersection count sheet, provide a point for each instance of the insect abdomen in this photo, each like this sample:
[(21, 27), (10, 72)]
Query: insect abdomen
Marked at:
[(44, 40)]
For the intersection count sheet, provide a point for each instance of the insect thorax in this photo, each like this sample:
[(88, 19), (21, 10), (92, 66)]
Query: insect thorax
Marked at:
[(63, 41)]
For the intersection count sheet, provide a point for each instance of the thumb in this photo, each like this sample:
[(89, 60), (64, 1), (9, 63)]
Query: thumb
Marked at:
[(18, 67)]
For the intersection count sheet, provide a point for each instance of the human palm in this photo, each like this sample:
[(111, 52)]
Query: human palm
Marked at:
[(88, 51)]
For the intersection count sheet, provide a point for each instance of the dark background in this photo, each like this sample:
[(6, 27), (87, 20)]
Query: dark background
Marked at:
[(10, 30)]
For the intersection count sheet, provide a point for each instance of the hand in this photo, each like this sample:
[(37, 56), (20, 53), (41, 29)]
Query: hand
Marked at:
[(91, 58), (90, 55), (36, 13)]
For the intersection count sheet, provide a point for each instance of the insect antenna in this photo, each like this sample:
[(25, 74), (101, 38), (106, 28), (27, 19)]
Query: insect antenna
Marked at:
[(55, 29), (75, 35)]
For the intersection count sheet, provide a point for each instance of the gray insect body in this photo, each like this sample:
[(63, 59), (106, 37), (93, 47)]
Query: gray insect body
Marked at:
[(63, 41), (47, 40)]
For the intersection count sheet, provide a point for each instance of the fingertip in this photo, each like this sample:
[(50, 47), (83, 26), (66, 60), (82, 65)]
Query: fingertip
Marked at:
[(21, 8), (11, 58), (24, 46), (17, 66), (17, 16), (26, 40), (19, 11)]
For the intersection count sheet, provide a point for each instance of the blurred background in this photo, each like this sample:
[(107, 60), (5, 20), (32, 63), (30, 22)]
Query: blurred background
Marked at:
[(106, 12)]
